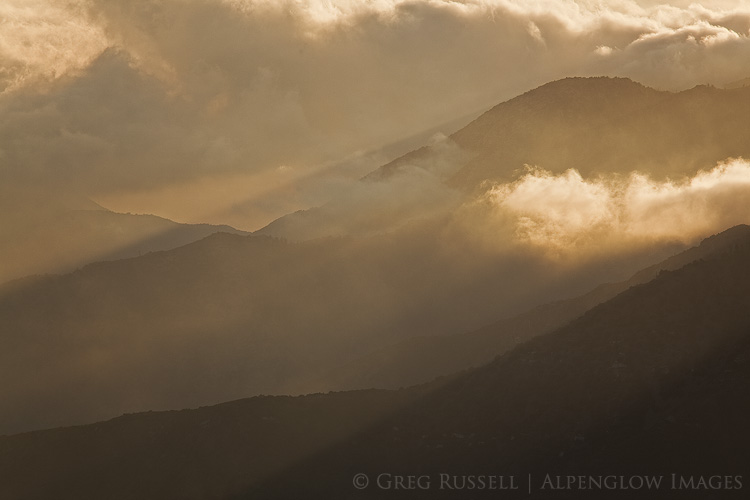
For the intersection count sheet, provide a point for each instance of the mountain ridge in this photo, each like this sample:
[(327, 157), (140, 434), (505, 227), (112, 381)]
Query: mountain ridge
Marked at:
[(57, 242), (421, 359), (650, 356), (598, 126)]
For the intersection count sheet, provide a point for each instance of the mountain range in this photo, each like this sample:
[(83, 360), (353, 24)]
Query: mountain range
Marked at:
[(419, 360), (602, 125), (230, 315), (456, 346), (651, 381), (61, 235), (596, 126)]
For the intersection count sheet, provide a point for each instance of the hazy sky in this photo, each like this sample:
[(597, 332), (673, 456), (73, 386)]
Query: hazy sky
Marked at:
[(238, 111)]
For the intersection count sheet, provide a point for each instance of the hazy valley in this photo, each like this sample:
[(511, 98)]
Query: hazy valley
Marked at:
[(231, 315), (333, 249)]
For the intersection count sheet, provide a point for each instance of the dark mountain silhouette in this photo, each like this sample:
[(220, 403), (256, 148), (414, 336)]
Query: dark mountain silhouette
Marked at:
[(602, 125), (651, 382)]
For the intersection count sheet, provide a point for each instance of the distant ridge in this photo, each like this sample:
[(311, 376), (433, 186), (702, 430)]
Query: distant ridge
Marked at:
[(419, 360), (595, 125), (61, 239), (653, 381), (600, 125)]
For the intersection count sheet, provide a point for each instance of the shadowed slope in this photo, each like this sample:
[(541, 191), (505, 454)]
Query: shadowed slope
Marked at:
[(601, 125), (231, 316), (654, 362), (420, 359)]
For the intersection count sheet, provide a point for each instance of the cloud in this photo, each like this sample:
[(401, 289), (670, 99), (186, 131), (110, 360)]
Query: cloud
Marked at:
[(568, 214), (415, 192), (565, 217), (120, 99), (42, 39)]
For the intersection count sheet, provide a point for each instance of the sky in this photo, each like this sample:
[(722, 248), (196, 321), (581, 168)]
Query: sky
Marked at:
[(240, 111)]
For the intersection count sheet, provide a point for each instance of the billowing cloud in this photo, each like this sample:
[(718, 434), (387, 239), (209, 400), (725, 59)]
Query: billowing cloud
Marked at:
[(146, 97), (43, 39), (567, 213)]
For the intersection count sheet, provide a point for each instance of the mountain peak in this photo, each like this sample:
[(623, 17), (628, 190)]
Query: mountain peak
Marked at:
[(579, 87), (587, 83), (602, 125)]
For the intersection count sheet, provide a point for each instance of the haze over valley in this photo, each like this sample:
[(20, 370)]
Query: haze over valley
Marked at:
[(254, 248)]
